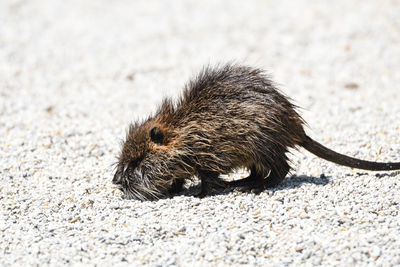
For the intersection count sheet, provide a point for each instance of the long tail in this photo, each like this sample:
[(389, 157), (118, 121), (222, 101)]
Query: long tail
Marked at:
[(330, 155)]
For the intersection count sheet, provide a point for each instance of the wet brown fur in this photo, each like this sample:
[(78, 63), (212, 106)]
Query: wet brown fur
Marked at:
[(227, 118)]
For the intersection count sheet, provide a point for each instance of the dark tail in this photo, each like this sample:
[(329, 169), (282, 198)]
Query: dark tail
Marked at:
[(330, 155)]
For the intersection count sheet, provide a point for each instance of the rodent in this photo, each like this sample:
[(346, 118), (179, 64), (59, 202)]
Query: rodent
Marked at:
[(228, 117)]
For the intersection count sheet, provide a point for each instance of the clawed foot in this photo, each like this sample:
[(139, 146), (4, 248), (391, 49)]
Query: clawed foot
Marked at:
[(244, 189), (207, 188), (249, 184)]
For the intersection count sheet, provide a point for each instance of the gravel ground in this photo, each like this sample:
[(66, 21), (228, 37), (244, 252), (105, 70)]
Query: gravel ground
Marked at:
[(73, 74)]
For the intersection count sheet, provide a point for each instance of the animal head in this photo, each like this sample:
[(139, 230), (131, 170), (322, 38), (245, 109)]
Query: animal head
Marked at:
[(149, 162)]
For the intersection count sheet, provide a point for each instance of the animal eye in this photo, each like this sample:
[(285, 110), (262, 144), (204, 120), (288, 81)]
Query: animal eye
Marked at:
[(134, 163), (156, 135)]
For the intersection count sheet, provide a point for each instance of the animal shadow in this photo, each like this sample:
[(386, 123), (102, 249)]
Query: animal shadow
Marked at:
[(295, 181), (289, 183)]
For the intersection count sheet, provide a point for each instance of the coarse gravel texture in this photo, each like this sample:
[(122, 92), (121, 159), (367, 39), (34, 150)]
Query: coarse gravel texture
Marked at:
[(73, 74)]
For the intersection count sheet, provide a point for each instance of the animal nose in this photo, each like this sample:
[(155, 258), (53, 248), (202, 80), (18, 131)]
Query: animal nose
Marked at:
[(117, 178)]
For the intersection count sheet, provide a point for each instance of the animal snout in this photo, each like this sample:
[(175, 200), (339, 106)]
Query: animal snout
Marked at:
[(117, 178)]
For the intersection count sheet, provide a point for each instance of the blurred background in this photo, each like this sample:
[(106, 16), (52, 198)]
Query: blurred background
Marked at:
[(142, 50)]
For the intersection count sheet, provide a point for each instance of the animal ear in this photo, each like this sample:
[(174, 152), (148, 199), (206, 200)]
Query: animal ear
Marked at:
[(156, 135)]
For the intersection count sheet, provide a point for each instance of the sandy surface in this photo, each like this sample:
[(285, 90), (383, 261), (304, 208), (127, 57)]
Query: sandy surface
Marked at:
[(73, 74)]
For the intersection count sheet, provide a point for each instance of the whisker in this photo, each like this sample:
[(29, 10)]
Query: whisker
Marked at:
[(125, 168)]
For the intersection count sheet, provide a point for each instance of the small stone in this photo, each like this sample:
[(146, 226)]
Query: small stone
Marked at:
[(351, 85)]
